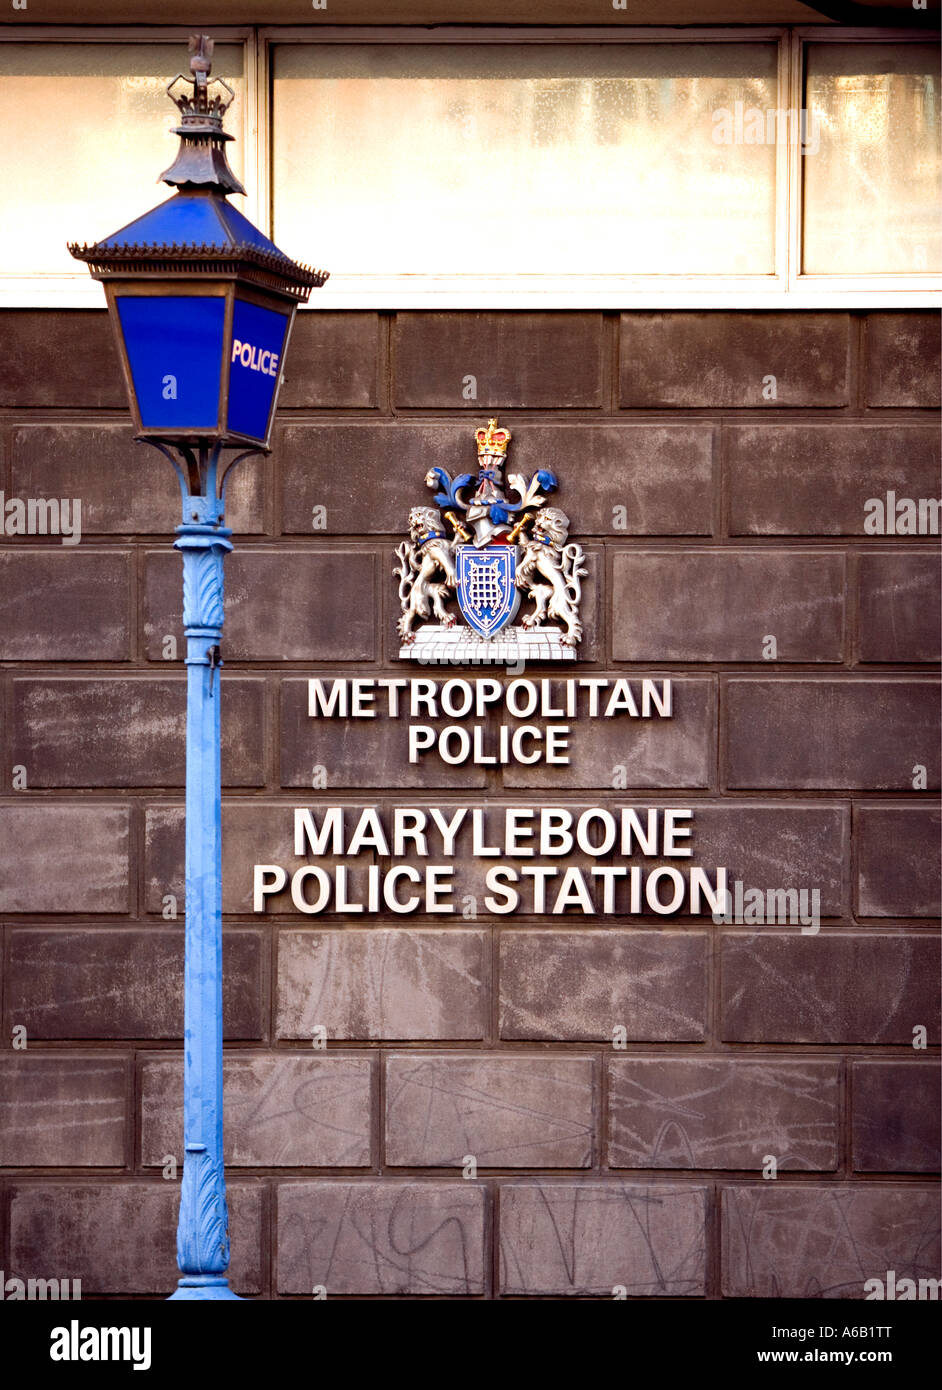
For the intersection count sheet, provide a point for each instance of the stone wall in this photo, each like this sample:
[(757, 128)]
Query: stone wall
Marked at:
[(714, 514)]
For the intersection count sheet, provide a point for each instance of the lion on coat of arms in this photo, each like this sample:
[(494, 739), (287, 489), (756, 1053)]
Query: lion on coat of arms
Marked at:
[(426, 553), (546, 555)]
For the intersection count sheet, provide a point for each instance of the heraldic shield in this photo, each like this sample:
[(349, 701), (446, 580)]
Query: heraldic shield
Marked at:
[(487, 586)]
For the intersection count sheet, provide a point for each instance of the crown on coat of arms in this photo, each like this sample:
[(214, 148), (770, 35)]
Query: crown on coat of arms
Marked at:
[(492, 440)]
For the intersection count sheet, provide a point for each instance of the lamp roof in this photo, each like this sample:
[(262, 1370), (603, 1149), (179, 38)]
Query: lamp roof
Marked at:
[(192, 218)]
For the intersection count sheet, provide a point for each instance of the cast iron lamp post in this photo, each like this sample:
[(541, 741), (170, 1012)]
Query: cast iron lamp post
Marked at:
[(202, 306)]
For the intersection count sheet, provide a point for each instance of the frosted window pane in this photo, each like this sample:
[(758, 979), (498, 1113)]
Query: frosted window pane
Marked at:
[(486, 158), (873, 189), (86, 137)]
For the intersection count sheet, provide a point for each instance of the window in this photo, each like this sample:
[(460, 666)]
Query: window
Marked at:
[(469, 168), (872, 190), (554, 160)]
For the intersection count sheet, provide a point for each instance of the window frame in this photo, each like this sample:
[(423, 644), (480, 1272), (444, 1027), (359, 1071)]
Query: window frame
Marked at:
[(785, 287)]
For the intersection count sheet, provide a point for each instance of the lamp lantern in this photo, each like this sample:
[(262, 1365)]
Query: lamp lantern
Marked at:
[(201, 301)]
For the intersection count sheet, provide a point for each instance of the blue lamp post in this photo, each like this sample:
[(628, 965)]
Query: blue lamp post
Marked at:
[(202, 306)]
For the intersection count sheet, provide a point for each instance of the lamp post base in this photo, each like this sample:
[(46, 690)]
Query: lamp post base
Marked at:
[(204, 1287)]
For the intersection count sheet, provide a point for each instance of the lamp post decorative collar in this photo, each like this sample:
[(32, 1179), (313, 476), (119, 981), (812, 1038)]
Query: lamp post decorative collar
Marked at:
[(202, 305)]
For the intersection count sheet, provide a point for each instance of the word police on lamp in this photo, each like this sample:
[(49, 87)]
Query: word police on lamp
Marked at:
[(202, 306)]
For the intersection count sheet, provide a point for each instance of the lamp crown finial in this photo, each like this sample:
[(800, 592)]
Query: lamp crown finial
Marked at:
[(202, 103)]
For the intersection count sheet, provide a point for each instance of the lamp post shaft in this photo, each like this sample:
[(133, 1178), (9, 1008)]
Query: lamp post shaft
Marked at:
[(203, 1230)]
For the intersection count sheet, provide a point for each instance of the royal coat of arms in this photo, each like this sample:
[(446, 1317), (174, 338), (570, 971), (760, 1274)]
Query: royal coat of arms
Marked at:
[(486, 547)]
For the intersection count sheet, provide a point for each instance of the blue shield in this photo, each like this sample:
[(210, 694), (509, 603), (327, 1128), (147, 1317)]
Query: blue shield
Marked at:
[(487, 594)]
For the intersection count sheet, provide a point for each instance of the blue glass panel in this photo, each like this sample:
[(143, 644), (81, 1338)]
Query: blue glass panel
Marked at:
[(174, 347), (258, 337)]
